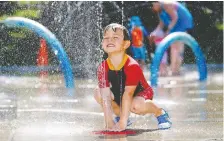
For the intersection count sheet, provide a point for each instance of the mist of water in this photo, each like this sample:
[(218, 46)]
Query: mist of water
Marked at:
[(78, 25)]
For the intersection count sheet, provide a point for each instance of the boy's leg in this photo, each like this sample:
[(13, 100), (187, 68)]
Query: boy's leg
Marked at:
[(116, 108), (142, 104)]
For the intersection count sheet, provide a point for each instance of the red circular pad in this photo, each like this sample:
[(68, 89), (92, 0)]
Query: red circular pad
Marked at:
[(125, 132)]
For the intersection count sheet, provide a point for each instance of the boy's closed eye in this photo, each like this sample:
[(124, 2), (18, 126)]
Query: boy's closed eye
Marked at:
[(105, 38)]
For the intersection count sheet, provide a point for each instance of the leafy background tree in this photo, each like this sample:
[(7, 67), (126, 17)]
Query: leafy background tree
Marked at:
[(18, 46)]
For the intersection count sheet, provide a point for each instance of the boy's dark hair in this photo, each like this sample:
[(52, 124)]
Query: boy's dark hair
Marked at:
[(114, 27)]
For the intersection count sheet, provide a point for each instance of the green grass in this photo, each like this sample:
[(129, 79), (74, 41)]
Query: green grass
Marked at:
[(17, 34), (3, 17), (219, 26), (28, 2), (29, 13)]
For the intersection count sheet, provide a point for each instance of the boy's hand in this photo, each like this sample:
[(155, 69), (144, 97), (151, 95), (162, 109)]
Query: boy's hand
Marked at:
[(120, 126), (109, 126)]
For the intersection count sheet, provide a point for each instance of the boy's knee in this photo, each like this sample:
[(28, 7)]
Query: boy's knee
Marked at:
[(138, 105), (136, 108)]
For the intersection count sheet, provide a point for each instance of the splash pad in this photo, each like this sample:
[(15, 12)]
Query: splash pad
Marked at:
[(125, 132)]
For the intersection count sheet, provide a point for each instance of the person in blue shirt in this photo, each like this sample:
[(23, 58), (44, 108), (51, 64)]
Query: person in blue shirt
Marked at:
[(174, 17)]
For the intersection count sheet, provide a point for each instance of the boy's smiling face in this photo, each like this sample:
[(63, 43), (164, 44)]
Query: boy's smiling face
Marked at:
[(113, 41)]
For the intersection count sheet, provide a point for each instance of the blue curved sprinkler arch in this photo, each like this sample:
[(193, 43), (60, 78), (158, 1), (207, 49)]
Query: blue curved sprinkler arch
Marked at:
[(164, 45), (51, 40)]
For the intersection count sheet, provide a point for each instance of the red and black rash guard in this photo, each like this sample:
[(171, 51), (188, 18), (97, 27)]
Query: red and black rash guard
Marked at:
[(128, 73)]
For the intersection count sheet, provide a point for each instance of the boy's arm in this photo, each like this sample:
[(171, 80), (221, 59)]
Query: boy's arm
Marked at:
[(133, 75), (107, 108), (105, 93), (126, 104)]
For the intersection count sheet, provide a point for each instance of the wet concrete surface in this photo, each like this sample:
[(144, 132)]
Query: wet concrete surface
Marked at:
[(43, 110)]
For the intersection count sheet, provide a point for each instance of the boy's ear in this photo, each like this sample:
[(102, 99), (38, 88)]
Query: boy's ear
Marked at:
[(127, 44)]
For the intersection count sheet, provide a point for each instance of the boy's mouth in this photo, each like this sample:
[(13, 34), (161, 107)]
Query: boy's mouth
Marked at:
[(110, 45)]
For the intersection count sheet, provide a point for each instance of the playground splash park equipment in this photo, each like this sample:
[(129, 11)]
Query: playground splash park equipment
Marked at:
[(165, 44), (51, 40), (65, 63)]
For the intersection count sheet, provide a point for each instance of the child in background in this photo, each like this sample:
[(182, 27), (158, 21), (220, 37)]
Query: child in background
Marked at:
[(122, 85), (138, 32)]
